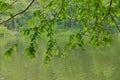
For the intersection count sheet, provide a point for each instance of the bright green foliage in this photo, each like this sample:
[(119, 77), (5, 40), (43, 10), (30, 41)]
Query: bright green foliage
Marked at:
[(4, 30), (92, 16), (4, 6), (10, 51), (30, 51)]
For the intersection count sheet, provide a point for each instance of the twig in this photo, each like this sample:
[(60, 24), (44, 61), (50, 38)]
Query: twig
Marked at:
[(18, 13), (115, 22), (108, 13)]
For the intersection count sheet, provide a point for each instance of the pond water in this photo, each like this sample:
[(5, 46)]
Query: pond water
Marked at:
[(88, 64)]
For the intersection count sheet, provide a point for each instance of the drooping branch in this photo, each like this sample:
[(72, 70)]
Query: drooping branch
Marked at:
[(115, 22), (18, 13), (109, 13)]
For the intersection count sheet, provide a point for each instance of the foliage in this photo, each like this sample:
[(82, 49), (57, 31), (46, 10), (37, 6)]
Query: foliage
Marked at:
[(90, 15), (4, 30), (4, 6), (10, 51)]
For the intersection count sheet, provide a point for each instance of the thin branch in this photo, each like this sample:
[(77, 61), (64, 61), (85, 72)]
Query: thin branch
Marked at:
[(108, 13), (104, 18), (18, 13), (111, 1), (115, 22)]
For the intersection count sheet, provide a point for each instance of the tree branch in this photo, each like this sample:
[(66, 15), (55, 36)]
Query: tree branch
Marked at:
[(115, 22), (108, 13), (18, 13)]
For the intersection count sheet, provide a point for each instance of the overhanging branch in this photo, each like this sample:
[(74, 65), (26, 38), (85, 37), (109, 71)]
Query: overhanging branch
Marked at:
[(109, 13), (18, 13), (115, 22)]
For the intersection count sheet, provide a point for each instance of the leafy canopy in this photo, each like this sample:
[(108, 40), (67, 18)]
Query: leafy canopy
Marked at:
[(92, 16)]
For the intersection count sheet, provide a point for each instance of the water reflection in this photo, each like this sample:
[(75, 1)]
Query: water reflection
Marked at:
[(89, 64)]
